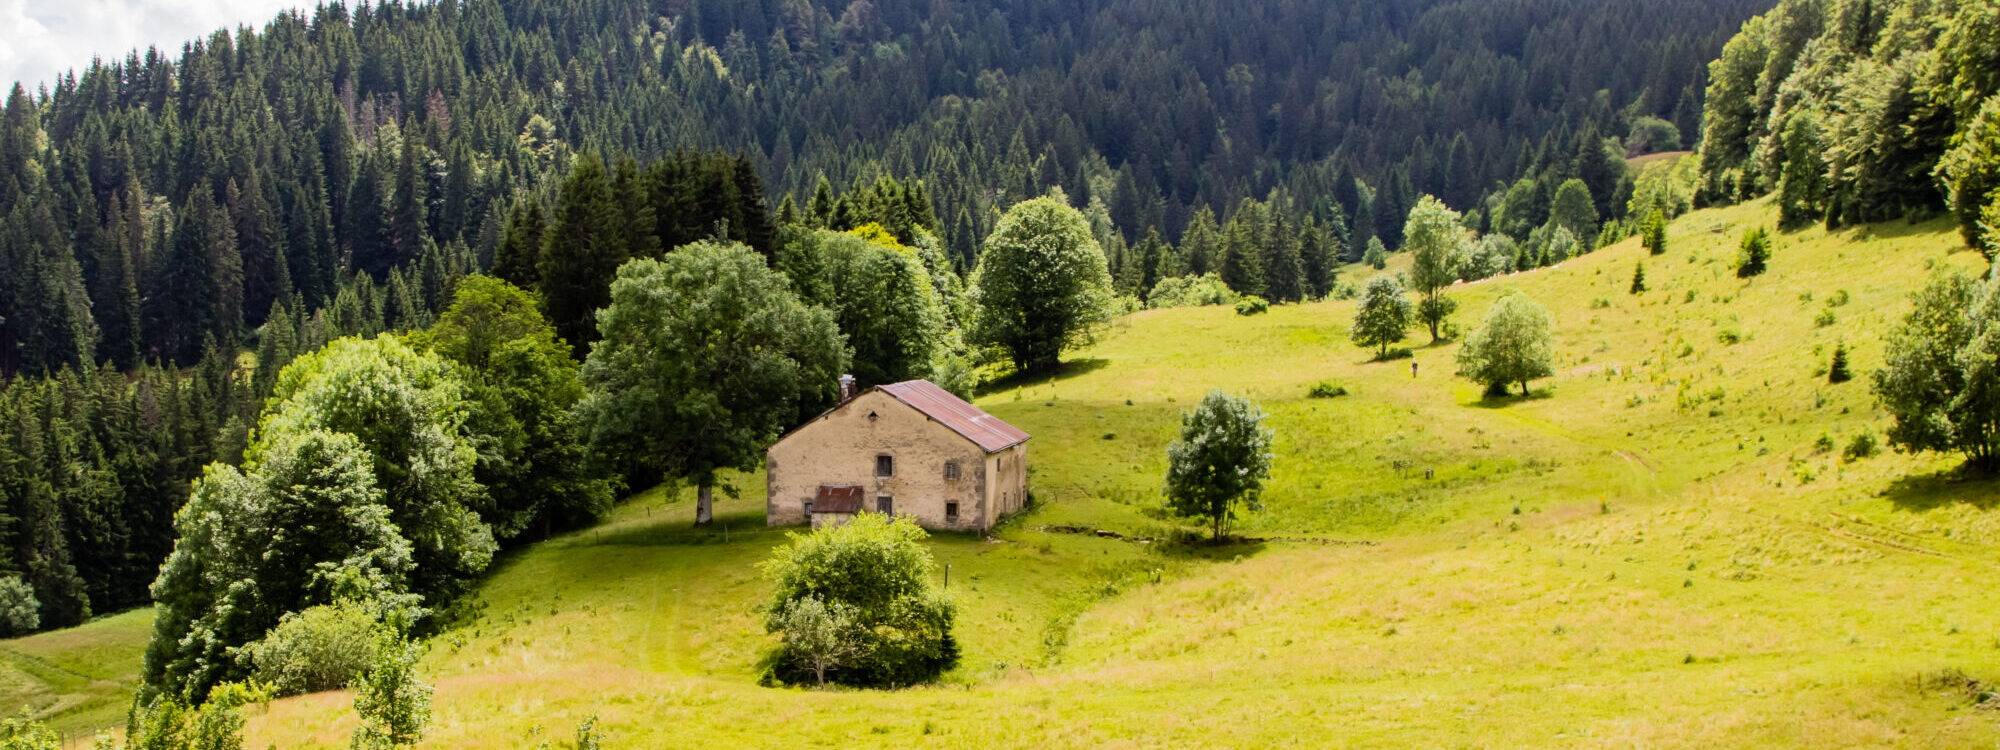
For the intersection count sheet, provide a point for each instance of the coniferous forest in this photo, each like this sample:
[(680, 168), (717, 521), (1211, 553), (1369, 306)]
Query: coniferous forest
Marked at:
[(180, 224)]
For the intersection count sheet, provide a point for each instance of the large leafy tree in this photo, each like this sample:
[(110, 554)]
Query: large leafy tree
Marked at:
[(882, 296), (409, 412), (1574, 209), (1940, 381), (522, 386), (865, 594), (1434, 237), (1510, 346), (706, 356), (1042, 285), (304, 524), (1221, 459)]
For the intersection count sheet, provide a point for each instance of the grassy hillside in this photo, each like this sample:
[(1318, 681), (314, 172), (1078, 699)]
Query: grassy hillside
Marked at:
[(1655, 550)]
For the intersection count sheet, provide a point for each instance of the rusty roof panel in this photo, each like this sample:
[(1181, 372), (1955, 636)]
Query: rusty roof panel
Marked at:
[(986, 430), (837, 498)]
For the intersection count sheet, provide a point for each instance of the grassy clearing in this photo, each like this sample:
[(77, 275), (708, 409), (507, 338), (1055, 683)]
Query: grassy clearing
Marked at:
[(79, 680), (1653, 550)]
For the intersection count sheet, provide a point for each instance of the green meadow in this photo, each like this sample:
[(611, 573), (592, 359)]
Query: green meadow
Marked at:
[(1664, 546)]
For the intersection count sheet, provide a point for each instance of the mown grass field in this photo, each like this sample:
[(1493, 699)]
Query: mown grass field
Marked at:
[(1652, 551)]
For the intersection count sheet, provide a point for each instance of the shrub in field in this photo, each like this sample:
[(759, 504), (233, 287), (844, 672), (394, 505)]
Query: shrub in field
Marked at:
[(1190, 291), (318, 648), (1326, 389), (1252, 305), (857, 604), (1755, 254)]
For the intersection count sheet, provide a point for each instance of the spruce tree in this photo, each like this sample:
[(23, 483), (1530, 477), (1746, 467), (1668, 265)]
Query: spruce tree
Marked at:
[(1638, 279), (518, 257), (580, 254), (1837, 371)]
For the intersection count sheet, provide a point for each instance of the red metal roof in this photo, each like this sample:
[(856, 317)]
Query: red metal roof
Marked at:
[(837, 498), (984, 429)]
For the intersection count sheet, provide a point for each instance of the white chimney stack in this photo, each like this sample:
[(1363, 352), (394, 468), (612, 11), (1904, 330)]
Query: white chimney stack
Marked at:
[(846, 388)]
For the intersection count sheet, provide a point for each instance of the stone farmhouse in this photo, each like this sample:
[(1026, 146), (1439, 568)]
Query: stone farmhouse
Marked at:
[(907, 448)]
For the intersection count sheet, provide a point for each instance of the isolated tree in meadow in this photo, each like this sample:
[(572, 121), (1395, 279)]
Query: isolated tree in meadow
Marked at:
[(1837, 370), (1653, 233), (393, 702), (1220, 460), (1042, 285), (1510, 346), (1755, 254), (1941, 379), (706, 356), (1434, 236), (1383, 315), (859, 604), (1377, 256), (1638, 279)]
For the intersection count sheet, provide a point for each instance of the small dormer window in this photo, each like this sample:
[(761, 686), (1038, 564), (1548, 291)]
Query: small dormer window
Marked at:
[(885, 466)]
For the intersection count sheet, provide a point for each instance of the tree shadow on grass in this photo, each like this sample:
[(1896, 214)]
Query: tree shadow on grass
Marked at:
[(1922, 493), (1064, 371), (1492, 401), (675, 526), (1203, 549)]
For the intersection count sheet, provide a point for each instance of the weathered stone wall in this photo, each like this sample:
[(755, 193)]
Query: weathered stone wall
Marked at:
[(840, 447)]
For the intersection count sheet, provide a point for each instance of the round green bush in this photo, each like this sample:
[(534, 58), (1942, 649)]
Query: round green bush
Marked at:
[(319, 648)]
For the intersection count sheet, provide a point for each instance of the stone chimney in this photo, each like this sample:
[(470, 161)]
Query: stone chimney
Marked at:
[(846, 388)]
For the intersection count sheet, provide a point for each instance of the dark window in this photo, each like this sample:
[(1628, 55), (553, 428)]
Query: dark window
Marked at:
[(885, 505), (951, 512), (809, 508), (951, 469), (885, 466)]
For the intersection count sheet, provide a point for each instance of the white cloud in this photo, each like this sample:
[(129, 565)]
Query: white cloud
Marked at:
[(41, 38)]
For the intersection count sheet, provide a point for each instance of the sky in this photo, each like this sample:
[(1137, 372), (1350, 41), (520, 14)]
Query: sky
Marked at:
[(40, 38)]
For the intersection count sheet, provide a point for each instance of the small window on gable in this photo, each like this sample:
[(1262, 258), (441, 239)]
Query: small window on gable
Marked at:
[(951, 512), (885, 466), (951, 469)]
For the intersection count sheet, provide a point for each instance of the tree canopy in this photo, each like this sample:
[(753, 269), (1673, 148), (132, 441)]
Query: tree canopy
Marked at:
[(1383, 316), (1042, 285), (706, 356), (1510, 346), (1435, 239), (865, 589), (1940, 381), (1220, 460)]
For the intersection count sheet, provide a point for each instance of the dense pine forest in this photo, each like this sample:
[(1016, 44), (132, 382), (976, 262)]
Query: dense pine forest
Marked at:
[(178, 226)]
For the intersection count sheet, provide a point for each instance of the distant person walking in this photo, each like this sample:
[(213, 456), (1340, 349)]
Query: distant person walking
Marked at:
[(1413, 368)]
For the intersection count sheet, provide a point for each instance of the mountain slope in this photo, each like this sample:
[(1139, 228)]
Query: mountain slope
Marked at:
[(1654, 552)]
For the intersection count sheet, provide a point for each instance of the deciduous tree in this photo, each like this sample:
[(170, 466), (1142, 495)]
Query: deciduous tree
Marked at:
[(1510, 346), (1041, 287), (706, 356), (1221, 460)]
